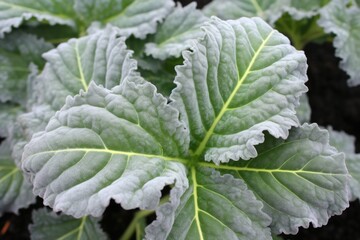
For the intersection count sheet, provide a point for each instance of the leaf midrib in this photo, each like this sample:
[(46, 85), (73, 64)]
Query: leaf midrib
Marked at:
[(264, 170), (78, 229), (81, 71), (209, 133), (114, 152), (196, 204)]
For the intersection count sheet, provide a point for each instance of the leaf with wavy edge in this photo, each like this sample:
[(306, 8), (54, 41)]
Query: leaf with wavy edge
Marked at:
[(243, 78), (346, 143), (176, 33), (344, 21), (101, 57), (214, 207), (133, 17), (14, 12), (299, 180), (116, 144), (15, 191), (49, 225), (303, 111), (269, 10)]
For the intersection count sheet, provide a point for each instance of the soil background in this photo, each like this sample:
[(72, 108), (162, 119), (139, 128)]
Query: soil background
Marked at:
[(333, 103)]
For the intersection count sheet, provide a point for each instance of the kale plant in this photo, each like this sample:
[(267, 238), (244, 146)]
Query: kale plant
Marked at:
[(93, 121)]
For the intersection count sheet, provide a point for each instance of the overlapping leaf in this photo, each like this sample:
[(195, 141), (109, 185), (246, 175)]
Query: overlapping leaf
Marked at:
[(303, 111), (15, 191), (137, 17), (49, 225), (242, 79), (269, 10), (179, 29), (14, 12), (304, 9), (300, 180), (108, 144), (8, 115), (344, 21), (215, 207), (346, 143), (17, 51), (101, 57)]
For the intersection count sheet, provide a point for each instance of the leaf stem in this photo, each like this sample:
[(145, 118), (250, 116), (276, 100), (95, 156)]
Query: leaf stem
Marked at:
[(133, 226)]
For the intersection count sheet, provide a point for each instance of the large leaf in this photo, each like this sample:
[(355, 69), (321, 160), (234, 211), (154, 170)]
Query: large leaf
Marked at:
[(243, 78), (215, 207), (17, 51), (101, 57), (137, 17), (15, 191), (14, 12), (344, 21), (49, 225), (179, 29), (300, 180), (269, 10), (108, 144)]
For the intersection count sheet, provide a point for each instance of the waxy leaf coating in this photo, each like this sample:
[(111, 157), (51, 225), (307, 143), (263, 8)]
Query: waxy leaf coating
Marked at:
[(14, 12), (243, 78), (15, 190), (235, 99), (108, 144), (344, 21), (49, 225), (300, 180)]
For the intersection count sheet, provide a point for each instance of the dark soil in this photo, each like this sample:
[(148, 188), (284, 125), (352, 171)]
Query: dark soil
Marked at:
[(333, 103)]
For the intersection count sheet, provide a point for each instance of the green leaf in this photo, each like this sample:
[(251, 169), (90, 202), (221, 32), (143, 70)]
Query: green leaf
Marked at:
[(353, 165), (123, 144), (303, 111), (15, 191), (346, 143), (344, 21), (342, 141), (14, 12), (176, 33), (305, 8), (299, 180), (17, 51), (269, 10), (8, 114), (101, 57), (49, 225), (133, 17), (215, 207), (243, 78)]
